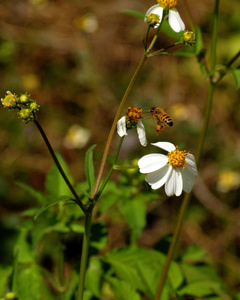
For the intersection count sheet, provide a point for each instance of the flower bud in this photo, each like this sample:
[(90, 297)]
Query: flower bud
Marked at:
[(10, 100), (24, 99), (189, 38), (10, 296), (34, 106), (153, 20), (26, 114)]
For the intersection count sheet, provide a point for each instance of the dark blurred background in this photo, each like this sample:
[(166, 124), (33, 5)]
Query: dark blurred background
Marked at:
[(76, 59)]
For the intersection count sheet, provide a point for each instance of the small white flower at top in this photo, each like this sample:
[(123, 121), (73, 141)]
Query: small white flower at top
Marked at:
[(177, 170), (130, 120), (167, 8)]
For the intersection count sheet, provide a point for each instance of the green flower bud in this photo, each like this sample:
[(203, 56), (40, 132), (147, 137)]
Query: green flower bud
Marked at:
[(26, 114), (153, 20), (10, 296), (189, 38), (34, 106), (24, 98)]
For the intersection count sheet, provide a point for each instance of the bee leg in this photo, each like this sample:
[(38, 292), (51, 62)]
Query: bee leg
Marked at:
[(160, 127)]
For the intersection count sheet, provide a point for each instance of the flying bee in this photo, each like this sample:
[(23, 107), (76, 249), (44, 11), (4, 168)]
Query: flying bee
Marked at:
[(163, 119)]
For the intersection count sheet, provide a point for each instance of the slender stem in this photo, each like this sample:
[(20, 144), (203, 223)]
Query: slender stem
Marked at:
[(112, 131), (111, 170), (84, 257), (64, 176), (211, 89), (122, 103), (172, 246)]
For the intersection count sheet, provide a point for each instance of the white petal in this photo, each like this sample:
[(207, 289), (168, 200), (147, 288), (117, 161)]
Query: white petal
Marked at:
[(152, 162), (191, 164), (141, 133), (188, 180), (121, 126), (175, 20), (165, 146), (158, 178), (157, 10), (174, 184)]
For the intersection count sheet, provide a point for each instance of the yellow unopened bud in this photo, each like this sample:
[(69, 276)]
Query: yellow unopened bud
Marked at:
[(23, 98), (10, 296), (25, 114), (34, 106), (189, 37), (10, 101), (153, 20), (167, 4)]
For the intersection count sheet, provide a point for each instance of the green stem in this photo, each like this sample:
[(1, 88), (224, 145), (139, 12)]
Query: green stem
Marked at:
[(122, 103), (111, 170), (64, 176), (211, 89), (173, 245), (84, 257)]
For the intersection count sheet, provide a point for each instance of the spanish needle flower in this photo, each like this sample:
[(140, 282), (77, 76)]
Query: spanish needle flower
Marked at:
[(130, 120), (177, 170), (167, 8)]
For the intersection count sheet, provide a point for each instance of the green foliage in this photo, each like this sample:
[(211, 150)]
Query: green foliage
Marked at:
[(236, 74), (89, 168)]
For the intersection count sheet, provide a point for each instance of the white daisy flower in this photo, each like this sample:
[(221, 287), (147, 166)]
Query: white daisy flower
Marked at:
[(177, 170), (132, 119), (174, 18)]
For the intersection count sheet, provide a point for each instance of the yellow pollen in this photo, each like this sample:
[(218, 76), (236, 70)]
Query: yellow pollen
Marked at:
[(176, 158), (167, 3), (134, 114)]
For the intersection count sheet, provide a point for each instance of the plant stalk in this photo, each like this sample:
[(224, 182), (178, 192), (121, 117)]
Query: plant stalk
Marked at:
[(201, 141), (84, 257), (64, 176)]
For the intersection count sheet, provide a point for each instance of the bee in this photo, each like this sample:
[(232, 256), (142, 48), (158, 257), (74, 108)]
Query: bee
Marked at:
[(163, 119)]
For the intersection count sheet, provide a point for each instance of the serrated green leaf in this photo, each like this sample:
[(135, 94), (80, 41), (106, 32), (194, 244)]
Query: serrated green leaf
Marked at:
[(55, 184), (89, 168), (236, 75), (35, 194), (136, 14), (125, 263), (123, 290), (50, 204)]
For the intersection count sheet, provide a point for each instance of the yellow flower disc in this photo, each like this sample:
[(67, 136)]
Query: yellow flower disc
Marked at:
[(167, 3), (176, 158)]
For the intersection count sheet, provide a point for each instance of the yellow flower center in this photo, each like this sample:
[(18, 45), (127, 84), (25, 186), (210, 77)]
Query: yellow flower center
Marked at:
[(134, 114), (176, 158), (167, 3), (9, 101)]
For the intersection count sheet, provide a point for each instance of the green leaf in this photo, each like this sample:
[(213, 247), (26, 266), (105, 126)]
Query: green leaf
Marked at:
[(136, 14), (198, 41), (193, 254), (134, 210), (129, 263), (50, 204), (89, 168), (94, 276), (55, 184), (236, 75), (123, 290), (179, 297), (23, 248), (5, 273), (202, 289), (35, 194), (31, 285)]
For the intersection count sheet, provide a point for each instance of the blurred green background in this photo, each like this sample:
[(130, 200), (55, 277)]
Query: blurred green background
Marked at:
[(76, 58)]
